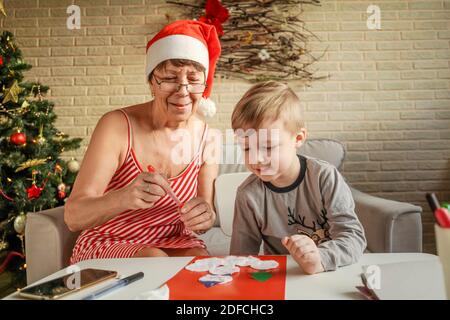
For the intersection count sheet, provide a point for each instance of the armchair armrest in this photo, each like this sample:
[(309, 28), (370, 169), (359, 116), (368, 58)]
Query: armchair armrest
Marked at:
[(48, 243), (390, 226)]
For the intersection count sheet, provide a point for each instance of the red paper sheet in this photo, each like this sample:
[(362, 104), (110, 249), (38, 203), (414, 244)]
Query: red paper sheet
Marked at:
[(185, 285)]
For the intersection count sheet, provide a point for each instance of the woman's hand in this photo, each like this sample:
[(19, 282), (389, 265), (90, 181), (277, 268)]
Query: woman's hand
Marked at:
[(144, 191), (198, 215), (305, 253)]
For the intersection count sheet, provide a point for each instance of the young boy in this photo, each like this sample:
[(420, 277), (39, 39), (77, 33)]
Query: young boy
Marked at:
[(294, 204)]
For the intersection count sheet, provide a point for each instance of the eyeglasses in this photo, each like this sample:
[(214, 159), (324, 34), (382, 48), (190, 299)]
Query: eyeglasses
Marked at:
[(169, 86)]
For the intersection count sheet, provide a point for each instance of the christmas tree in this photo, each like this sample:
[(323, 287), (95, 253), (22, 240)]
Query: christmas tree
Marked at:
[(33, 177)]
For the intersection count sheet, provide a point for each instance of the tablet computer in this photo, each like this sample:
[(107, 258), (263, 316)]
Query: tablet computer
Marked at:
[(62, 286)]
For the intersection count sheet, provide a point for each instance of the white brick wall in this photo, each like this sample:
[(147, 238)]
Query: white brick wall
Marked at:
[(387, 97)]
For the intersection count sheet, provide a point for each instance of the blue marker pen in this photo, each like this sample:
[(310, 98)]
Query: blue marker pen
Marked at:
[(118, 284)]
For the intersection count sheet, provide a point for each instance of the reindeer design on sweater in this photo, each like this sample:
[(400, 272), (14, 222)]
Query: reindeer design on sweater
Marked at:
[(319, 229)]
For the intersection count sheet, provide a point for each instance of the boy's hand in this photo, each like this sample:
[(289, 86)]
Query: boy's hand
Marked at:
[(305, 253)]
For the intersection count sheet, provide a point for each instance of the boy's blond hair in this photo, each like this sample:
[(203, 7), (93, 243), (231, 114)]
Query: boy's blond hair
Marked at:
[(269, 100)]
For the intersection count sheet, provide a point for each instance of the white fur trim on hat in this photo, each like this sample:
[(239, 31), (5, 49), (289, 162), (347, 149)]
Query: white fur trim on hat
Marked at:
[(207, 107), (176, 46)]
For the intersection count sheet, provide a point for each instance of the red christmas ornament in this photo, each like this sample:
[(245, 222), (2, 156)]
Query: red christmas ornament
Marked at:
[(1, 61), (34, 191), (216, 14), (18, 138), (61, 195)]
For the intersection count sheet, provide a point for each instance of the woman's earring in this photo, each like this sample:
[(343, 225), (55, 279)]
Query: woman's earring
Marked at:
[(153, 94)]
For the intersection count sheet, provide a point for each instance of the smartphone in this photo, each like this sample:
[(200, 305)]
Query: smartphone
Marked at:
[(59, 287)]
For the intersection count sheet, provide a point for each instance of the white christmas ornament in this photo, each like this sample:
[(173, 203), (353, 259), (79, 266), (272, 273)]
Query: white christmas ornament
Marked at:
[(73, 166), (19, 223)]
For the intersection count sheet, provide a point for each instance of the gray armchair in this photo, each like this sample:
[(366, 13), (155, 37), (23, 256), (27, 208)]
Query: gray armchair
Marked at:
[(390, 226)]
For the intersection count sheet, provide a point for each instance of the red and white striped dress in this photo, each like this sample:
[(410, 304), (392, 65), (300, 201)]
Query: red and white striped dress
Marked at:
[(132, 230)]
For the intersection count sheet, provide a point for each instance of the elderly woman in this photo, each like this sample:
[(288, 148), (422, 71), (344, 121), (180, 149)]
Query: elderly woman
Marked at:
[(125, 210)]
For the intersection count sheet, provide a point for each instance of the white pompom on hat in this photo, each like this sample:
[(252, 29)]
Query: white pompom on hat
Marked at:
[(191, 40)]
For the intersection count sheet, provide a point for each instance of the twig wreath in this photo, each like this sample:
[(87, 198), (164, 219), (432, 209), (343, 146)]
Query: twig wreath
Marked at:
[(261, 39)]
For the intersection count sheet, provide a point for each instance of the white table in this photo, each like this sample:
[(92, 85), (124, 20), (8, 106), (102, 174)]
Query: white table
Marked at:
[(339, 284)]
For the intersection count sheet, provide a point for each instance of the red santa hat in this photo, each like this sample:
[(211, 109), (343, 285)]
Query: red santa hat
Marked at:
[(192, 40)]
